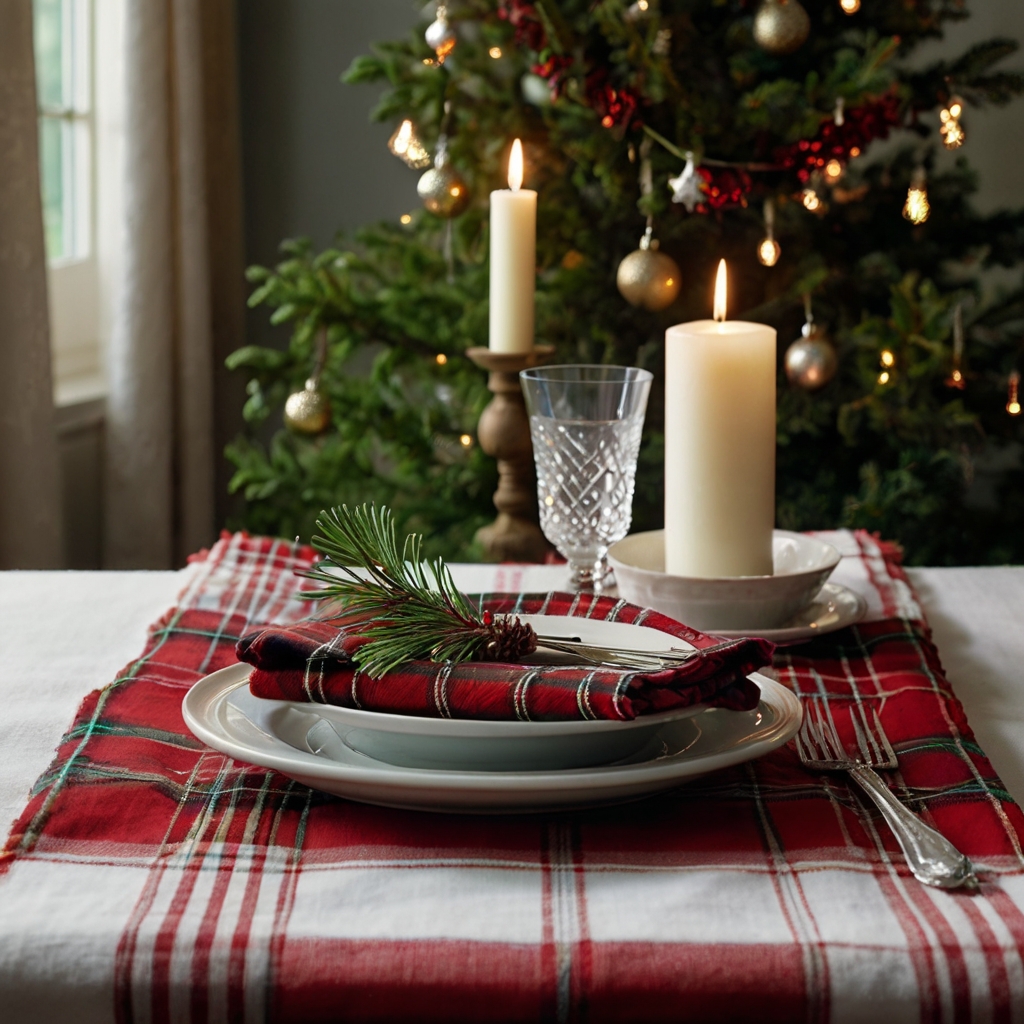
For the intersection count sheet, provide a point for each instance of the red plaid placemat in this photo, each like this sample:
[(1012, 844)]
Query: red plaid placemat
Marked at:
[(180, 885)]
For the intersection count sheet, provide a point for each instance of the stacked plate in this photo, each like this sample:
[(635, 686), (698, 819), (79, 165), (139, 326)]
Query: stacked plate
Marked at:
[(482, 766)]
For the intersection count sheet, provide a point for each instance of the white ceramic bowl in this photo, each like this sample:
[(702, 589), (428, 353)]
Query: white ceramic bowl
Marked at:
[(802, 565)]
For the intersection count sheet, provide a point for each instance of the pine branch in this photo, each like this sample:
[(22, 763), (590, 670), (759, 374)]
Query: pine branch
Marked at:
[(411, 608)]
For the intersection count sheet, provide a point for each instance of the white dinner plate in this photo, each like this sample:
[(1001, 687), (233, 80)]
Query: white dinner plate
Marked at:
[(834, 608), (463, 744), (222, 712)]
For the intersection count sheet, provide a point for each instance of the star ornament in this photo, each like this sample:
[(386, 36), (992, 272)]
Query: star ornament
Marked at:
[(686, 187)]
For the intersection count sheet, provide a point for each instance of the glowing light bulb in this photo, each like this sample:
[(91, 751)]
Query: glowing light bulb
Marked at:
[(854, 152), (1013, 402), (887, 358), (769, 251), (466, 441), (833, 171), (850, 6), (721, 291), (495, 52), (917, 208), (883, 377), (406, 218), (440, 359), (811, 200)]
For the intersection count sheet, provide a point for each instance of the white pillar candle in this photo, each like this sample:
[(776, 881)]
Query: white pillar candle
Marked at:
[(719, 446), (513, 260)]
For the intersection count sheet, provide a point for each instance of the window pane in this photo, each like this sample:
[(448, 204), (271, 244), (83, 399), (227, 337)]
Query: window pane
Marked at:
[(51, 159), (49, 46)]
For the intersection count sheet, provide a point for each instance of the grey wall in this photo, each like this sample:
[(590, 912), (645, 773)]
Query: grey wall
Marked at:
[(313, 161)]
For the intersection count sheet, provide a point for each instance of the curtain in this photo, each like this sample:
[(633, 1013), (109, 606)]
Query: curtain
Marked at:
[(30, 530), (179, 300)]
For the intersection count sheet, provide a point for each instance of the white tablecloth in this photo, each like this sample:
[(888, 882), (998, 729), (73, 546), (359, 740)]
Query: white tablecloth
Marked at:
[(63, 634)]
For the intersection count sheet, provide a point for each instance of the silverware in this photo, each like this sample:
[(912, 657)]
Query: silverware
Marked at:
[(624, 657), (932, 858)]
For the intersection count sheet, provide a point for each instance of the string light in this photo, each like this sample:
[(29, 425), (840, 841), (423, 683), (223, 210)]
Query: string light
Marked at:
[(440, 359), (833, 171), (956, 376), (405, 144), (917, 208), (495, 52), (811, 200), (466, 441), (854, 152), (1013, 401), (887, 359), (850, 6), (406, 218), (952, 131), (769, 251), (883, 377)]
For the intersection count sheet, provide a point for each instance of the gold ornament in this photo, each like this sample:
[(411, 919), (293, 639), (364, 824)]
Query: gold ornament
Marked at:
[(951, 130), (440, 36), (1013, 398), (406, 145), (649, 278), (442, 188), (307, 411), (917, 208), (769, 251), (781, 26), (811, 361)]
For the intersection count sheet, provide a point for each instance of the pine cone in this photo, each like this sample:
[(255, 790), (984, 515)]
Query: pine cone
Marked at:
[(510, 640)]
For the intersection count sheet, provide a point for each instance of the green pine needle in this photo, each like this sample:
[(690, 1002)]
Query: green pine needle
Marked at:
[(412, 608)]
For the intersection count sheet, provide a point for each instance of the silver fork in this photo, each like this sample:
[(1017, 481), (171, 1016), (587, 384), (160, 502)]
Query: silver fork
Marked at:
[(932, 858)]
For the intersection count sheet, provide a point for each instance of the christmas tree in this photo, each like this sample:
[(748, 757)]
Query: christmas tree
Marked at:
[(731, 128)]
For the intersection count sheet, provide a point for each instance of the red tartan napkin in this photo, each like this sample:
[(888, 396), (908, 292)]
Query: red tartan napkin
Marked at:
[(311, 661)]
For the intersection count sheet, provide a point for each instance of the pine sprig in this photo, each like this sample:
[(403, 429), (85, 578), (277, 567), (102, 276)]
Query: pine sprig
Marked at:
[(410, 607)]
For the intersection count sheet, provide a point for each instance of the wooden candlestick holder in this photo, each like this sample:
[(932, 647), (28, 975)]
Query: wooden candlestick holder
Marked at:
[(504, 434)]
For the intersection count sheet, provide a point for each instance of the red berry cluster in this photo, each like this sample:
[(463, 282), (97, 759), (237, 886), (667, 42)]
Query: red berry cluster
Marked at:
[(724, 186)]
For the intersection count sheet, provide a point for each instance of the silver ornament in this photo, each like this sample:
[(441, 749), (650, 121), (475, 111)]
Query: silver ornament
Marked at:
[(686, 187), (442, 188), (811, 361), (648, 278), (781, 26), (307, 411), (440, 36)]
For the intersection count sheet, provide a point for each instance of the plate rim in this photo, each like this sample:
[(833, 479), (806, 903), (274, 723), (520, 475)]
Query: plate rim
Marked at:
[(220, 685)]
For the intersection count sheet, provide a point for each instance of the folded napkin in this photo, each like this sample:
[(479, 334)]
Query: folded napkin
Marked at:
[(311, 661)]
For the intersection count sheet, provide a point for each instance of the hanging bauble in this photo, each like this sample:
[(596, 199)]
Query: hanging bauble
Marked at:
[(307, 411), (811, 361), (442, 188), (440, 36), (781, 26), (406, 145), (649, 278)]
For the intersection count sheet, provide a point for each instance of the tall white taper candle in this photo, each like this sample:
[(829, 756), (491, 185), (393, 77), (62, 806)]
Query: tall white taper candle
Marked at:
[(513, 260), (719, 446)]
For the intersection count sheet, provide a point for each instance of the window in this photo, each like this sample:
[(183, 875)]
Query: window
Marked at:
[(63, 47)]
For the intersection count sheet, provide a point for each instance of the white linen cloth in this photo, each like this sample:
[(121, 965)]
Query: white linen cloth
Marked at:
[(41, 683)]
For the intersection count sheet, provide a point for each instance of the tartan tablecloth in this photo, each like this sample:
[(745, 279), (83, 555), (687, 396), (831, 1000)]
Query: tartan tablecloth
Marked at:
[(173, 884)]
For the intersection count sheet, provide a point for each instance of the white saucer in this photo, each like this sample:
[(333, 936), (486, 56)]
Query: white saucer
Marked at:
[(220, 710), (834, 608)]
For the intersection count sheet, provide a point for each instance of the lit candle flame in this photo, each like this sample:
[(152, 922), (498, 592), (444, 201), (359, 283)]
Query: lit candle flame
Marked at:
[(515, 166), (721, 288)]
